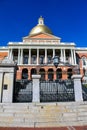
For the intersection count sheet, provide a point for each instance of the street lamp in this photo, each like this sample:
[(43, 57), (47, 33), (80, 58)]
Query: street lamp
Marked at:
[(56, 61)]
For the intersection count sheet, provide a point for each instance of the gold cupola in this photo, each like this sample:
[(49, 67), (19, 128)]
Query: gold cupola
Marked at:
[(40, 28)]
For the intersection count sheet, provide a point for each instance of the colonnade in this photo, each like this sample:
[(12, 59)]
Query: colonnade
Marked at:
[(62, 55)]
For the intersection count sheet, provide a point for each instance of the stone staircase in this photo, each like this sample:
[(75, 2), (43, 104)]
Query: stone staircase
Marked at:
[(43, 114)]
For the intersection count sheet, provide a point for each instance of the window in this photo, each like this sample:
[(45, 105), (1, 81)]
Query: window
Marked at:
[(69, 73), (86, 73), (15, 56), (84, 61), (5, 87), (25, 74), (50, 74), (41, 59), (33, 59), (77, 59), (15, 59), (59, 74), (25, 59), (49, 59)]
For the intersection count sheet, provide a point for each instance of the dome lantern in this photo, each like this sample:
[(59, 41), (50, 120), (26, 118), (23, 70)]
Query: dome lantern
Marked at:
[(41, 21)]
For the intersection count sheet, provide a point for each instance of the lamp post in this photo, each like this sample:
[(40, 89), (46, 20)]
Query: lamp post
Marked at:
[(56, 61)]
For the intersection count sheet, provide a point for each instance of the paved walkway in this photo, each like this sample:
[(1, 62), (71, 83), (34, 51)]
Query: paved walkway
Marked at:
[(59, 128)]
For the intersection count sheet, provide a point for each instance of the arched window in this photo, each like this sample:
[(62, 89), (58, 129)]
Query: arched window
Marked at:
[(84, 61), (50, 74), (59, 73), (33, 71), (25, 74), (42, 73), (69, 73)]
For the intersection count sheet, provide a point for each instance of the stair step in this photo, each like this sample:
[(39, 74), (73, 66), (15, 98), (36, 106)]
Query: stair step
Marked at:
[(43, 114)]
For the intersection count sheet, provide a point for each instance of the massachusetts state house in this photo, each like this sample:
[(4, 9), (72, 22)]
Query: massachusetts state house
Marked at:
[(35, 53)]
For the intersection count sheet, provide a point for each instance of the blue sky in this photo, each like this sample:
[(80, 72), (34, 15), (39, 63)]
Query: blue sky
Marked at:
[(66, 18)]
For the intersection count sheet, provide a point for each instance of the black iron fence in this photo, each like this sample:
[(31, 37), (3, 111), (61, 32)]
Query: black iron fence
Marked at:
[(23, 91), (84, 91), (57, 91), (50, 91)]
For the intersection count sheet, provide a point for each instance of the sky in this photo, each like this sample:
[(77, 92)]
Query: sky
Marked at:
[(66, 18)]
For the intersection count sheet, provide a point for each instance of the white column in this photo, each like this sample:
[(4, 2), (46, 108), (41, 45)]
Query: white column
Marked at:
[(45, 56), (37, 56), (64, 55), (53, 53), (18, 56), (29, 60), (21, 62), (11, 54), (77, 87), (61, 55), (36, 88), (74, 58)]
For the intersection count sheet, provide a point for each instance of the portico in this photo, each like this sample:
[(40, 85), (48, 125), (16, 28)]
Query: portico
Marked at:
[(33, 56)]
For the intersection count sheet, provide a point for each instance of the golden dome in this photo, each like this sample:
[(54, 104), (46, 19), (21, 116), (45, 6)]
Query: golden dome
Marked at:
[(40, 28)]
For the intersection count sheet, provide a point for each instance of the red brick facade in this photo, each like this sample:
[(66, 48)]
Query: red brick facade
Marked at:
[(29, 68), (3, 54), (64, 69)]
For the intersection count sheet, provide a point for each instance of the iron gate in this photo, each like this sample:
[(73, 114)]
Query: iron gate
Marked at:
[(57, 91), (23, 91)]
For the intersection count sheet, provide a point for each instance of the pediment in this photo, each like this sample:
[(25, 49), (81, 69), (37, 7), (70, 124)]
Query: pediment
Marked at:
[(42, 36)]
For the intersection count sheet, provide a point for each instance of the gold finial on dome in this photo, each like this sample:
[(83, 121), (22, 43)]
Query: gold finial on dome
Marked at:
[(40, 27)]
